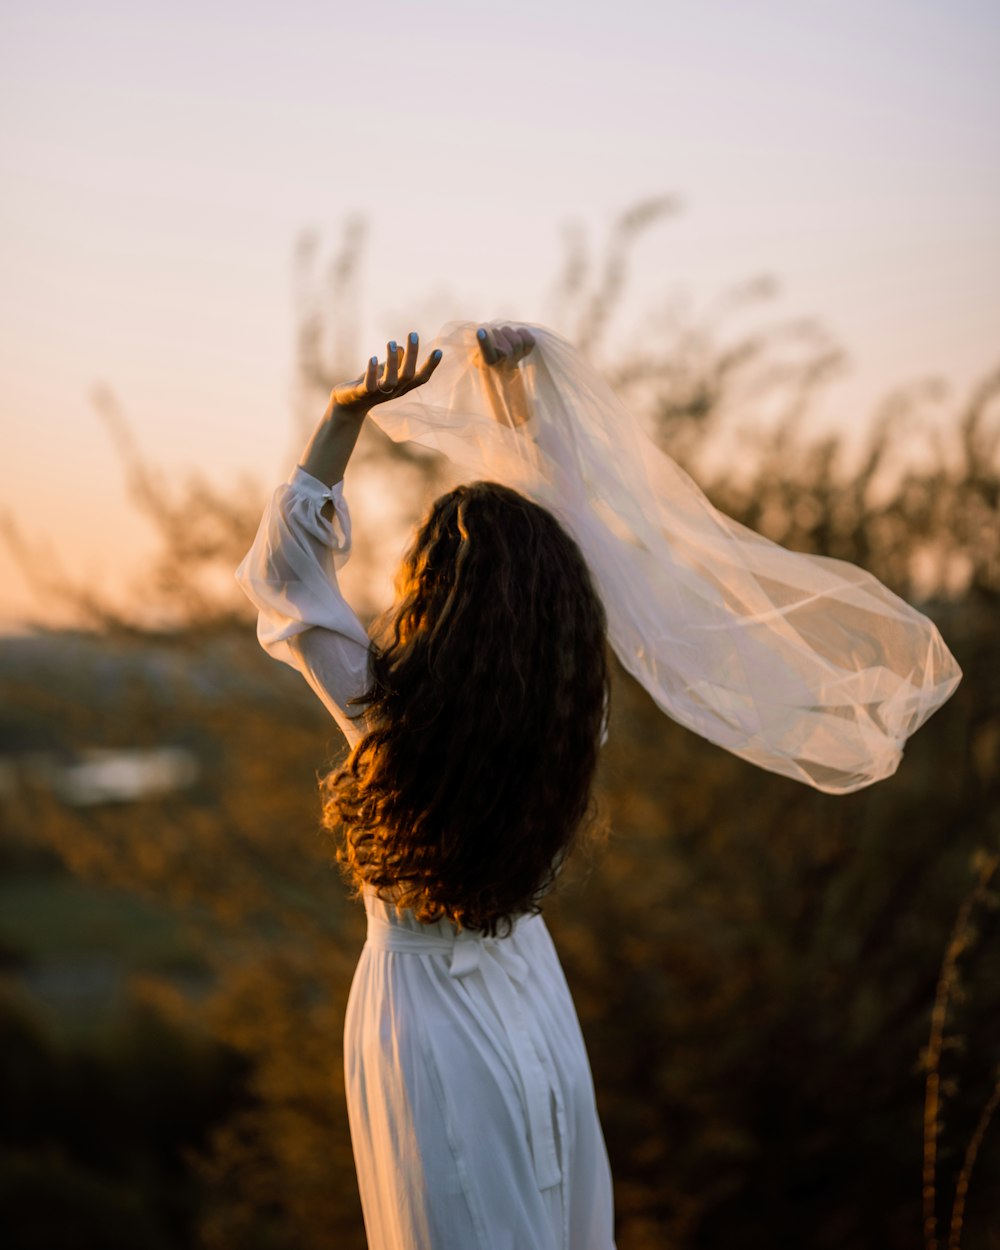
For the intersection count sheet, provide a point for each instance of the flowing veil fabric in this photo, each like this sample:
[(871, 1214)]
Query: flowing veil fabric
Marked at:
[(801, 664)]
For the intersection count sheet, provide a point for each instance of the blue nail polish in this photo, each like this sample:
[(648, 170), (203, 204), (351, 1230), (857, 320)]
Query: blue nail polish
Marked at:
[(480, 334), (436, 353), (413, 336), (374, 360), (392, 345)]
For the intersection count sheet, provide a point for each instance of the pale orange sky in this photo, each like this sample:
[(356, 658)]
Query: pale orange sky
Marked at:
[(157, 164)]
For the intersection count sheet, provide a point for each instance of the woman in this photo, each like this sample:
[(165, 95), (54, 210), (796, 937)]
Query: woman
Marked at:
[(474, 717)]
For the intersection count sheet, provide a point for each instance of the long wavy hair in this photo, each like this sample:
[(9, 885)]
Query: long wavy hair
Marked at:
[(488, 683)]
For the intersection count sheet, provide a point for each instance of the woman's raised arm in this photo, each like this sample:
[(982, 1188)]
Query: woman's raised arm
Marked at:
[(499, 354), (328, 451), (289, 573)]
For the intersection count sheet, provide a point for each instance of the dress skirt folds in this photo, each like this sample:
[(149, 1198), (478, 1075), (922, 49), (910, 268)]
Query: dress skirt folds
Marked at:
[(469, 1092)]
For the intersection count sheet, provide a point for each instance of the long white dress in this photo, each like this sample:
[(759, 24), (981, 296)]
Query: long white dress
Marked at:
[(469, 1092)]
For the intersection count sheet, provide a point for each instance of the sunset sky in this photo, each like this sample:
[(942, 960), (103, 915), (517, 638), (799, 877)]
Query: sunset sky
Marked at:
[(158, 162)]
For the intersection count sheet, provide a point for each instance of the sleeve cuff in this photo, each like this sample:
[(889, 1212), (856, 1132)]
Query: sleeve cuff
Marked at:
[(313, 488), (306, 497)]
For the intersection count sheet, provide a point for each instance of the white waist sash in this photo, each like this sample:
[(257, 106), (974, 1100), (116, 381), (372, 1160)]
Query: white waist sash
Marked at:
[(503, 971)]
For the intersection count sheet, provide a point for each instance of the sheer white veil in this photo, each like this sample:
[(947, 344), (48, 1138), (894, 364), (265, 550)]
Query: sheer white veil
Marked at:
[(802, 664)]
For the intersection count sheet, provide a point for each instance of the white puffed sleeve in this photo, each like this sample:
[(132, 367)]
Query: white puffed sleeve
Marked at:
[(289, 574)]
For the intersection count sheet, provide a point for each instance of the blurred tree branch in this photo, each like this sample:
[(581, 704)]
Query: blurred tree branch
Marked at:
[(927, 530)]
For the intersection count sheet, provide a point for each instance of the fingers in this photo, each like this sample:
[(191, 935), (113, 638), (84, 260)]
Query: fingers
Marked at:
[(505, 343), (427, 368), (521, 340), (377, 384), (498, 344), (409, 364), (410, 376), (390, 374), (489, 352), (357, 393), (399, 373)]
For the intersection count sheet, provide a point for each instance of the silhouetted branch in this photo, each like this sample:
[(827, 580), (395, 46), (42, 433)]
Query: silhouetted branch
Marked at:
[(962, 935)]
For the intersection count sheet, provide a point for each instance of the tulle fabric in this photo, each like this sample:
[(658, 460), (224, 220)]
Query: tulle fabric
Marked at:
[(801, 664)]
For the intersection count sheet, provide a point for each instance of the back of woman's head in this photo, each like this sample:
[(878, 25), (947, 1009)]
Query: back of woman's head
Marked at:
[(489, 679)]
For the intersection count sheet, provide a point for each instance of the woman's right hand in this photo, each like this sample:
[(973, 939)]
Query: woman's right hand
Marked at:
[(380, 383), (328, 451)]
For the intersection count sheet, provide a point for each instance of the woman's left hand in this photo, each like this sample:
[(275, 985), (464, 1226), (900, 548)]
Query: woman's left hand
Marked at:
[(505, 344), (500, 352)]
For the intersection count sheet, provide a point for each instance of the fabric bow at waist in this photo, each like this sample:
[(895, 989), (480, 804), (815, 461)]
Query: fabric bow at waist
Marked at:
[(502, 970)]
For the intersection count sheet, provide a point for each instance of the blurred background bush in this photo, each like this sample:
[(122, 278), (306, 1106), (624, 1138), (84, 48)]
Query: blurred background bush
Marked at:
[(756, 965)]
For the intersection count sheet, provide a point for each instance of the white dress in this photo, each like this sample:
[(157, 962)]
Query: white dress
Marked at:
[(469, 1092)]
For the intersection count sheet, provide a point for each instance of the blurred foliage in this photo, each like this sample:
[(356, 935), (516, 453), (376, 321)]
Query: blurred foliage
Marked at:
[(755, 964)]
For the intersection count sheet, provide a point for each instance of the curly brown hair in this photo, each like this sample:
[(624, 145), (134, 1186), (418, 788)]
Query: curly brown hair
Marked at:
[(488, 683)]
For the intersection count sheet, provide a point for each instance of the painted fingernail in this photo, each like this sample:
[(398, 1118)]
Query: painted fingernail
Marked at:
[(436, 355), (413, 336), (374, 360), (480, 334)]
